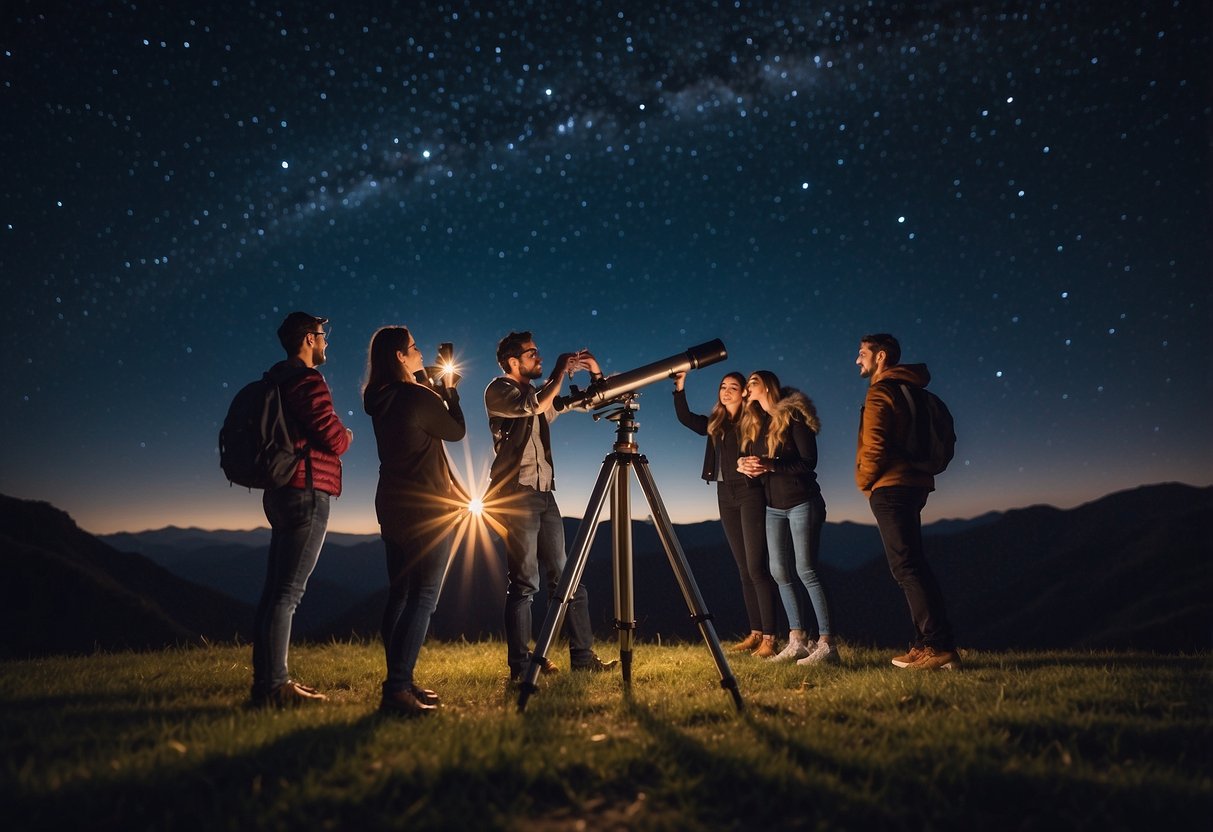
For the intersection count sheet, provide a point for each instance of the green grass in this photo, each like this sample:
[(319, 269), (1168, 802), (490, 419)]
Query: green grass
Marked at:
[(1016, 741)]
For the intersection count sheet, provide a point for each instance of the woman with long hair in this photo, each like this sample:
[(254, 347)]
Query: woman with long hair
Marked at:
[(779, 437), (413, 502), (742, 505)]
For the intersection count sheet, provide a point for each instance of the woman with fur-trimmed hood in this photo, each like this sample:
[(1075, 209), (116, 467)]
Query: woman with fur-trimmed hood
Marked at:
[(779, 432)]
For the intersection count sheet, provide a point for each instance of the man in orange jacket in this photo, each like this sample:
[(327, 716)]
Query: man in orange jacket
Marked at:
[(897, 492)]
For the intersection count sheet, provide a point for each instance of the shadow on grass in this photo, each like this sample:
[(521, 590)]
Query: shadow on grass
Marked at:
[(211, 793), (724, 792)]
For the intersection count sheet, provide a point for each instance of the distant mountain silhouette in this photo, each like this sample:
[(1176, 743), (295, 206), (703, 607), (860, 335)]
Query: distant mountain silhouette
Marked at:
[(1130, 570), (65, 591)]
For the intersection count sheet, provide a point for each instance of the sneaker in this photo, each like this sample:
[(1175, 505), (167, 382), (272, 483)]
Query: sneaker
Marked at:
[(909, 658), (291, 693), (748, 644), (932, 659), (823, 653), (766, 649), (794, 651), (404, 703), (596, 665)]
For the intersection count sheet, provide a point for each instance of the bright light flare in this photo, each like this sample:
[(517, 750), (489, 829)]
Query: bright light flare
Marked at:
[(472, 515)]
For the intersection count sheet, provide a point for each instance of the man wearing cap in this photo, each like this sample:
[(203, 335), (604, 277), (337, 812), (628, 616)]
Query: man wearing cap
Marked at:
[(298, 512)]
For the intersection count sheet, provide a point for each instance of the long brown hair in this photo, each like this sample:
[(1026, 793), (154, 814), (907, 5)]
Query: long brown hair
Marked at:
[(779, 417), (720, 420), (382, 366)]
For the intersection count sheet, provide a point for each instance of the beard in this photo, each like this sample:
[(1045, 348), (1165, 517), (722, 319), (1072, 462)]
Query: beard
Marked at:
[(318, 357), (534, 372)]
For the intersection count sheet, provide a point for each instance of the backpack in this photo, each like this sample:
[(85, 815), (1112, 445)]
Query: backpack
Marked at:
[(932, 434), (256, 448)]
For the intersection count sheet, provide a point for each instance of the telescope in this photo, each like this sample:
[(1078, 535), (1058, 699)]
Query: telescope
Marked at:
[(607, 390)]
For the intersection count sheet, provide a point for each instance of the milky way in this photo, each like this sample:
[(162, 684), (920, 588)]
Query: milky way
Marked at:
[(1019, 191)]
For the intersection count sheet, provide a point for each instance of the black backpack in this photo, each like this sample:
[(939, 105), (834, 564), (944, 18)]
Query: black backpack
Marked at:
[(256, 448), (932, 434)]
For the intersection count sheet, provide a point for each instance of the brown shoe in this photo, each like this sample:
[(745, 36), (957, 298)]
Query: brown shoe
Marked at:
[(596, 665), (547, 669), (909, 658), (291, 693), (932, 659), (424, 695), (749, 644), (404, 703), (766, 648)]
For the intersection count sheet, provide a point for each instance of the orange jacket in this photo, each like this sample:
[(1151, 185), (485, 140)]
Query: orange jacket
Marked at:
[(884, 423)]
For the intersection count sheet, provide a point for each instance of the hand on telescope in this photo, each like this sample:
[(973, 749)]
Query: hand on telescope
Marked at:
[(679, 380)]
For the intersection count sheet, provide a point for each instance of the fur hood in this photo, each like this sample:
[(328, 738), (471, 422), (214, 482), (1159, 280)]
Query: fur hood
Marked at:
[(792, 403)]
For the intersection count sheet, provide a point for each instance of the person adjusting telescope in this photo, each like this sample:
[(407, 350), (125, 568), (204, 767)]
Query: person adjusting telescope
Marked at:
[(523, 476)]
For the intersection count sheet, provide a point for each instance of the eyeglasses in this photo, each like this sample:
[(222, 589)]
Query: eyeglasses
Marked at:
[(532, 350), (320, 334)]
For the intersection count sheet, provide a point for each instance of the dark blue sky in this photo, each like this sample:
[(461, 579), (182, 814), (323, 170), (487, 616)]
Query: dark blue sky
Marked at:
[(1019, 191)]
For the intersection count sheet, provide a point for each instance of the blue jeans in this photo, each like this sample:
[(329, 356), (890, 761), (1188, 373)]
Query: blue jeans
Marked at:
[(898, 513), (416, 561), (794, 541), (298, 519), (534, 541)]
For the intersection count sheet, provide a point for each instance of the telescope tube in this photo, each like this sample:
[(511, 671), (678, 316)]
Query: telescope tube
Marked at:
[(606, 390)]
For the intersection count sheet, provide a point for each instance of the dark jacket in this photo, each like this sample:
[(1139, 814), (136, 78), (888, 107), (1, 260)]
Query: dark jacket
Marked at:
[(411, 422), (721, 453), (794, 478), (511, 411), (884, 425), (314, 423)]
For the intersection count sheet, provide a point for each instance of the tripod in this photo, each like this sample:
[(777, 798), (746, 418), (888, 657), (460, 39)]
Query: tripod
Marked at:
[(613, 479)]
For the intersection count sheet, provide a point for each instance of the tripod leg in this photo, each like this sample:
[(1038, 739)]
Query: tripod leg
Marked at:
[(625, 602), (570, 579), (686, 582)]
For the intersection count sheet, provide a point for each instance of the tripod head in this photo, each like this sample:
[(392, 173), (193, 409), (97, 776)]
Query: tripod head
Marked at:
[(621, 413)]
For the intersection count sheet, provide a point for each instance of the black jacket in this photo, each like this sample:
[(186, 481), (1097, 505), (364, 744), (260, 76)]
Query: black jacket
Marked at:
[(411, 421), (720, 455), (794, 478)]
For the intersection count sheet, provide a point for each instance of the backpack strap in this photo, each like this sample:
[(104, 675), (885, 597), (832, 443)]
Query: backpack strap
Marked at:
[(277, 379)]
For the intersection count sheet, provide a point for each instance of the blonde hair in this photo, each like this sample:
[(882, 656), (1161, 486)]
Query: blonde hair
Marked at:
[(778, 418)]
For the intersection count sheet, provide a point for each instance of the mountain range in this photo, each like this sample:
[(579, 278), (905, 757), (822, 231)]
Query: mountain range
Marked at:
[(1130, 570)]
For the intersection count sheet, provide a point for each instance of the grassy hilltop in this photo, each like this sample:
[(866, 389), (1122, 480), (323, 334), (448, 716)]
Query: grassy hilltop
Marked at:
[(1016, 741)]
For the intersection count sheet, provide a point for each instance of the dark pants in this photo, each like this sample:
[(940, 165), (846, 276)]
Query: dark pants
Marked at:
[(743, 513), (298, 519), (416, 560), (534, 542), (898, 513)]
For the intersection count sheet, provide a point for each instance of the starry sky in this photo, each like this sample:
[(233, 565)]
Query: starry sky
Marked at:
[(1018, 191)]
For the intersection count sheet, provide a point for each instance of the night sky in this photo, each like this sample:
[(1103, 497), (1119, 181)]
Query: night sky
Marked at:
[(1020, 192)]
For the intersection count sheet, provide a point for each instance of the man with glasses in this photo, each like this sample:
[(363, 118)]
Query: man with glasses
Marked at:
[(298, 511), (522, 480)]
